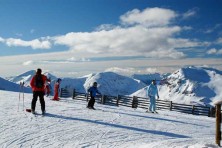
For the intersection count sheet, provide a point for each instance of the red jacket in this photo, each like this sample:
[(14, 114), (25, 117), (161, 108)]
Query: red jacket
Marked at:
[(32, 84), (56, 87)]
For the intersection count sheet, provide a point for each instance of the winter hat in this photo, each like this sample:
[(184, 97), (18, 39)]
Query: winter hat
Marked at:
[(39, 71), (95, 84), (58, 80)]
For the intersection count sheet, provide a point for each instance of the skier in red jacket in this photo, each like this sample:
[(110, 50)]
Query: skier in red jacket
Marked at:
[(37, 84), (56, 90)]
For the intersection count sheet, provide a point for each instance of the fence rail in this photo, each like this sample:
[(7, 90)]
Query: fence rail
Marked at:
[(140, 102)]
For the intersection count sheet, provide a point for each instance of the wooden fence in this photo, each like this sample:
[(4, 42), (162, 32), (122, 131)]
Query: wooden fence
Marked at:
[(140, 102), (64, 93)]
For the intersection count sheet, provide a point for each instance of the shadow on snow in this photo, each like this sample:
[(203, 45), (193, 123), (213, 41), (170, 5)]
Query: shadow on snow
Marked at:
[(168, 134)]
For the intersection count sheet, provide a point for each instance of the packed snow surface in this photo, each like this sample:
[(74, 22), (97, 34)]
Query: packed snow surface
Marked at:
[(69, 124)]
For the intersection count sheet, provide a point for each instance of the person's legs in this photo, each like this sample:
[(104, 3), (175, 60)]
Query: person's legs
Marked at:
[(150, 107), (152, 101), (42, 101), (35, 97), (154, 104), (56, 96), (91, 102)]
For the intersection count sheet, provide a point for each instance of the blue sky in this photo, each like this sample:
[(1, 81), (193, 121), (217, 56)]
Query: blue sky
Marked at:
[(39, 32)]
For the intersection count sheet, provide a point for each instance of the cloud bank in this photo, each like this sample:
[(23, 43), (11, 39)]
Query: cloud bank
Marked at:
[(215, 51), (34, 44), (150, 32)]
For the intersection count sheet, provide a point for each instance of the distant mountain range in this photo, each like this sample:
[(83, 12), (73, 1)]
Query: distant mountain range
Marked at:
[(190, 85)]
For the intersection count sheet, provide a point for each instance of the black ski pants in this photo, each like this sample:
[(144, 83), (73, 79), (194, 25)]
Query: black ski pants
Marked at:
[(39, 94), (91, 102)]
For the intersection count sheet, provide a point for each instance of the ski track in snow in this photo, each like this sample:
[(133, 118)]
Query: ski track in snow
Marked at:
[(69, 124)]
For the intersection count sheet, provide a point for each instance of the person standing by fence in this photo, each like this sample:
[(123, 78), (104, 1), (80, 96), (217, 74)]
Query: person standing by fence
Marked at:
[(56, 90), (92, 90), (152, 92)]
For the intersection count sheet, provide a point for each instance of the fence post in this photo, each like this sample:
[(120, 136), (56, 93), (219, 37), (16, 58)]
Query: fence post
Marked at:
[(218, 122), (102, 99), (87, 97), (209, 112), (193, 108), (135, 102), (213, 112), (74, 94), (61, 90), (171, 105), (117, 101)]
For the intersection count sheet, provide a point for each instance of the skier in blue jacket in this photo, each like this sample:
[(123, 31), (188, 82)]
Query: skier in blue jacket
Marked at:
[(93, 91), (152, 92)]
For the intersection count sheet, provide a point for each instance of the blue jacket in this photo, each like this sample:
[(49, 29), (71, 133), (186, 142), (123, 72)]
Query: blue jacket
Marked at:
[(93, 91), (152, 90)]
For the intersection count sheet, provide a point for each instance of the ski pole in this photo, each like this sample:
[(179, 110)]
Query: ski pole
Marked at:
[(19, 95), (23, 96)]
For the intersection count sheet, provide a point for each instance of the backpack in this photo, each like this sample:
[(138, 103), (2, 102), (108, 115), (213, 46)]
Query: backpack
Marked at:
[(39, 81)]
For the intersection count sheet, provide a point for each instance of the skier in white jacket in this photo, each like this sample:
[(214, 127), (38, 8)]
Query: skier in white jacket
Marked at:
[(152, 92)]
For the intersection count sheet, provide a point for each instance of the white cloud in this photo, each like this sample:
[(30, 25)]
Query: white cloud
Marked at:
[(19, 34), (129, 71), (106, 27), (136, 40), (219, 51), (209, 31), (73, 59), (2, 40), (213, 29), (26, 63), (149, 32), (150, 17), (187, 28), (219, 41), (151, 70), (214, 51), (34, 44), (32, 31), (190, 13), (11, 65), (124, 71)]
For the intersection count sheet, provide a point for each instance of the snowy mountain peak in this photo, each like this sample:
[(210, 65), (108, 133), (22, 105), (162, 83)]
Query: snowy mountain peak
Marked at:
[(110, 83), (190, 85), (27, 76), (24, 77)]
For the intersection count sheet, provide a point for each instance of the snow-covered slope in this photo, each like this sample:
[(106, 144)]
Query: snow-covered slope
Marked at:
[(113, 84), (10, 86), (69, 124), (191, 85)]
